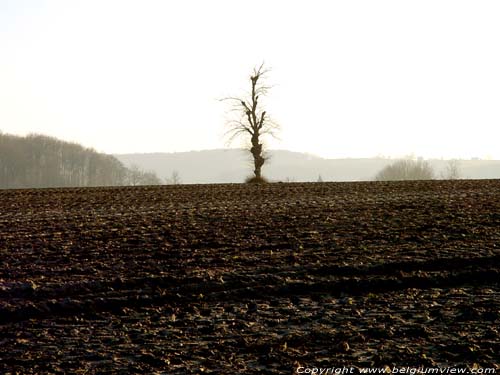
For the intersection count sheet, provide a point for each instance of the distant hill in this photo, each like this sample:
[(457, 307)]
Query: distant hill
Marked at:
[(38, 161), (232, 166)]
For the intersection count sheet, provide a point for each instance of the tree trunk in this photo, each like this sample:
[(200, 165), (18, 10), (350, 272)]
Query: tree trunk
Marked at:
[(258, 159)]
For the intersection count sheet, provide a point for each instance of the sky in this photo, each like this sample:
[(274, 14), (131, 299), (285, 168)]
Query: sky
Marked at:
[(358, 78)]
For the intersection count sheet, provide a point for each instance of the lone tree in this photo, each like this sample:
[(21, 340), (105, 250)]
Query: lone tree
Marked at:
[(252, 121), (174, 179), (452, 171)]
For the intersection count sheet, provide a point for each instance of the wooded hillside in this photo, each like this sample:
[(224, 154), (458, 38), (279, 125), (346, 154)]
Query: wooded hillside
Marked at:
[(38, 161)]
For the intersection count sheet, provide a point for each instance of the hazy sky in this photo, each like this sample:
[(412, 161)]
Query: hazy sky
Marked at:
[(351, 78)]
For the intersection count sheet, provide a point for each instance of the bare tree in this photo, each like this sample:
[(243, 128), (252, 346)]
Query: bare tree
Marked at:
[(252, 120), (406, 170), (134, 175), (150, 178), (452, 171), (174, 179)]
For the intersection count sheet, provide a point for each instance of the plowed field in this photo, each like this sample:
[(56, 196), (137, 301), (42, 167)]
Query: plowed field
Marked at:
[(229, 279)]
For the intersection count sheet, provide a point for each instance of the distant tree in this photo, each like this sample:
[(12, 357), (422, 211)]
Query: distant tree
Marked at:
[(174, 179), (452, 171), (320, 179), (406, 170), (150, 178), (252, 121), (136, 176)]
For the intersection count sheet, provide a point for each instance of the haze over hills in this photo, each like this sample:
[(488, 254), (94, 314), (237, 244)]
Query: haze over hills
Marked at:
[(233, 166)]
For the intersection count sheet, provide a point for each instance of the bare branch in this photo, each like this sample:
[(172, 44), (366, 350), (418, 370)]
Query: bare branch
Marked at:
[(261, 71), (261, 122)]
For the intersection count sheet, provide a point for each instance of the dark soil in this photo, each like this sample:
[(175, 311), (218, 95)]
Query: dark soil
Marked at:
[(251, 278)]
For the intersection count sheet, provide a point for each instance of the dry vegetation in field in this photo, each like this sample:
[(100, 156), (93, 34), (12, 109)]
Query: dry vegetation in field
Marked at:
[(234, 278)]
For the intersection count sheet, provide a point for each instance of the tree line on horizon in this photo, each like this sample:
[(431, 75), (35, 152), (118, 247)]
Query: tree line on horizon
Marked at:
[(39, 161)]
